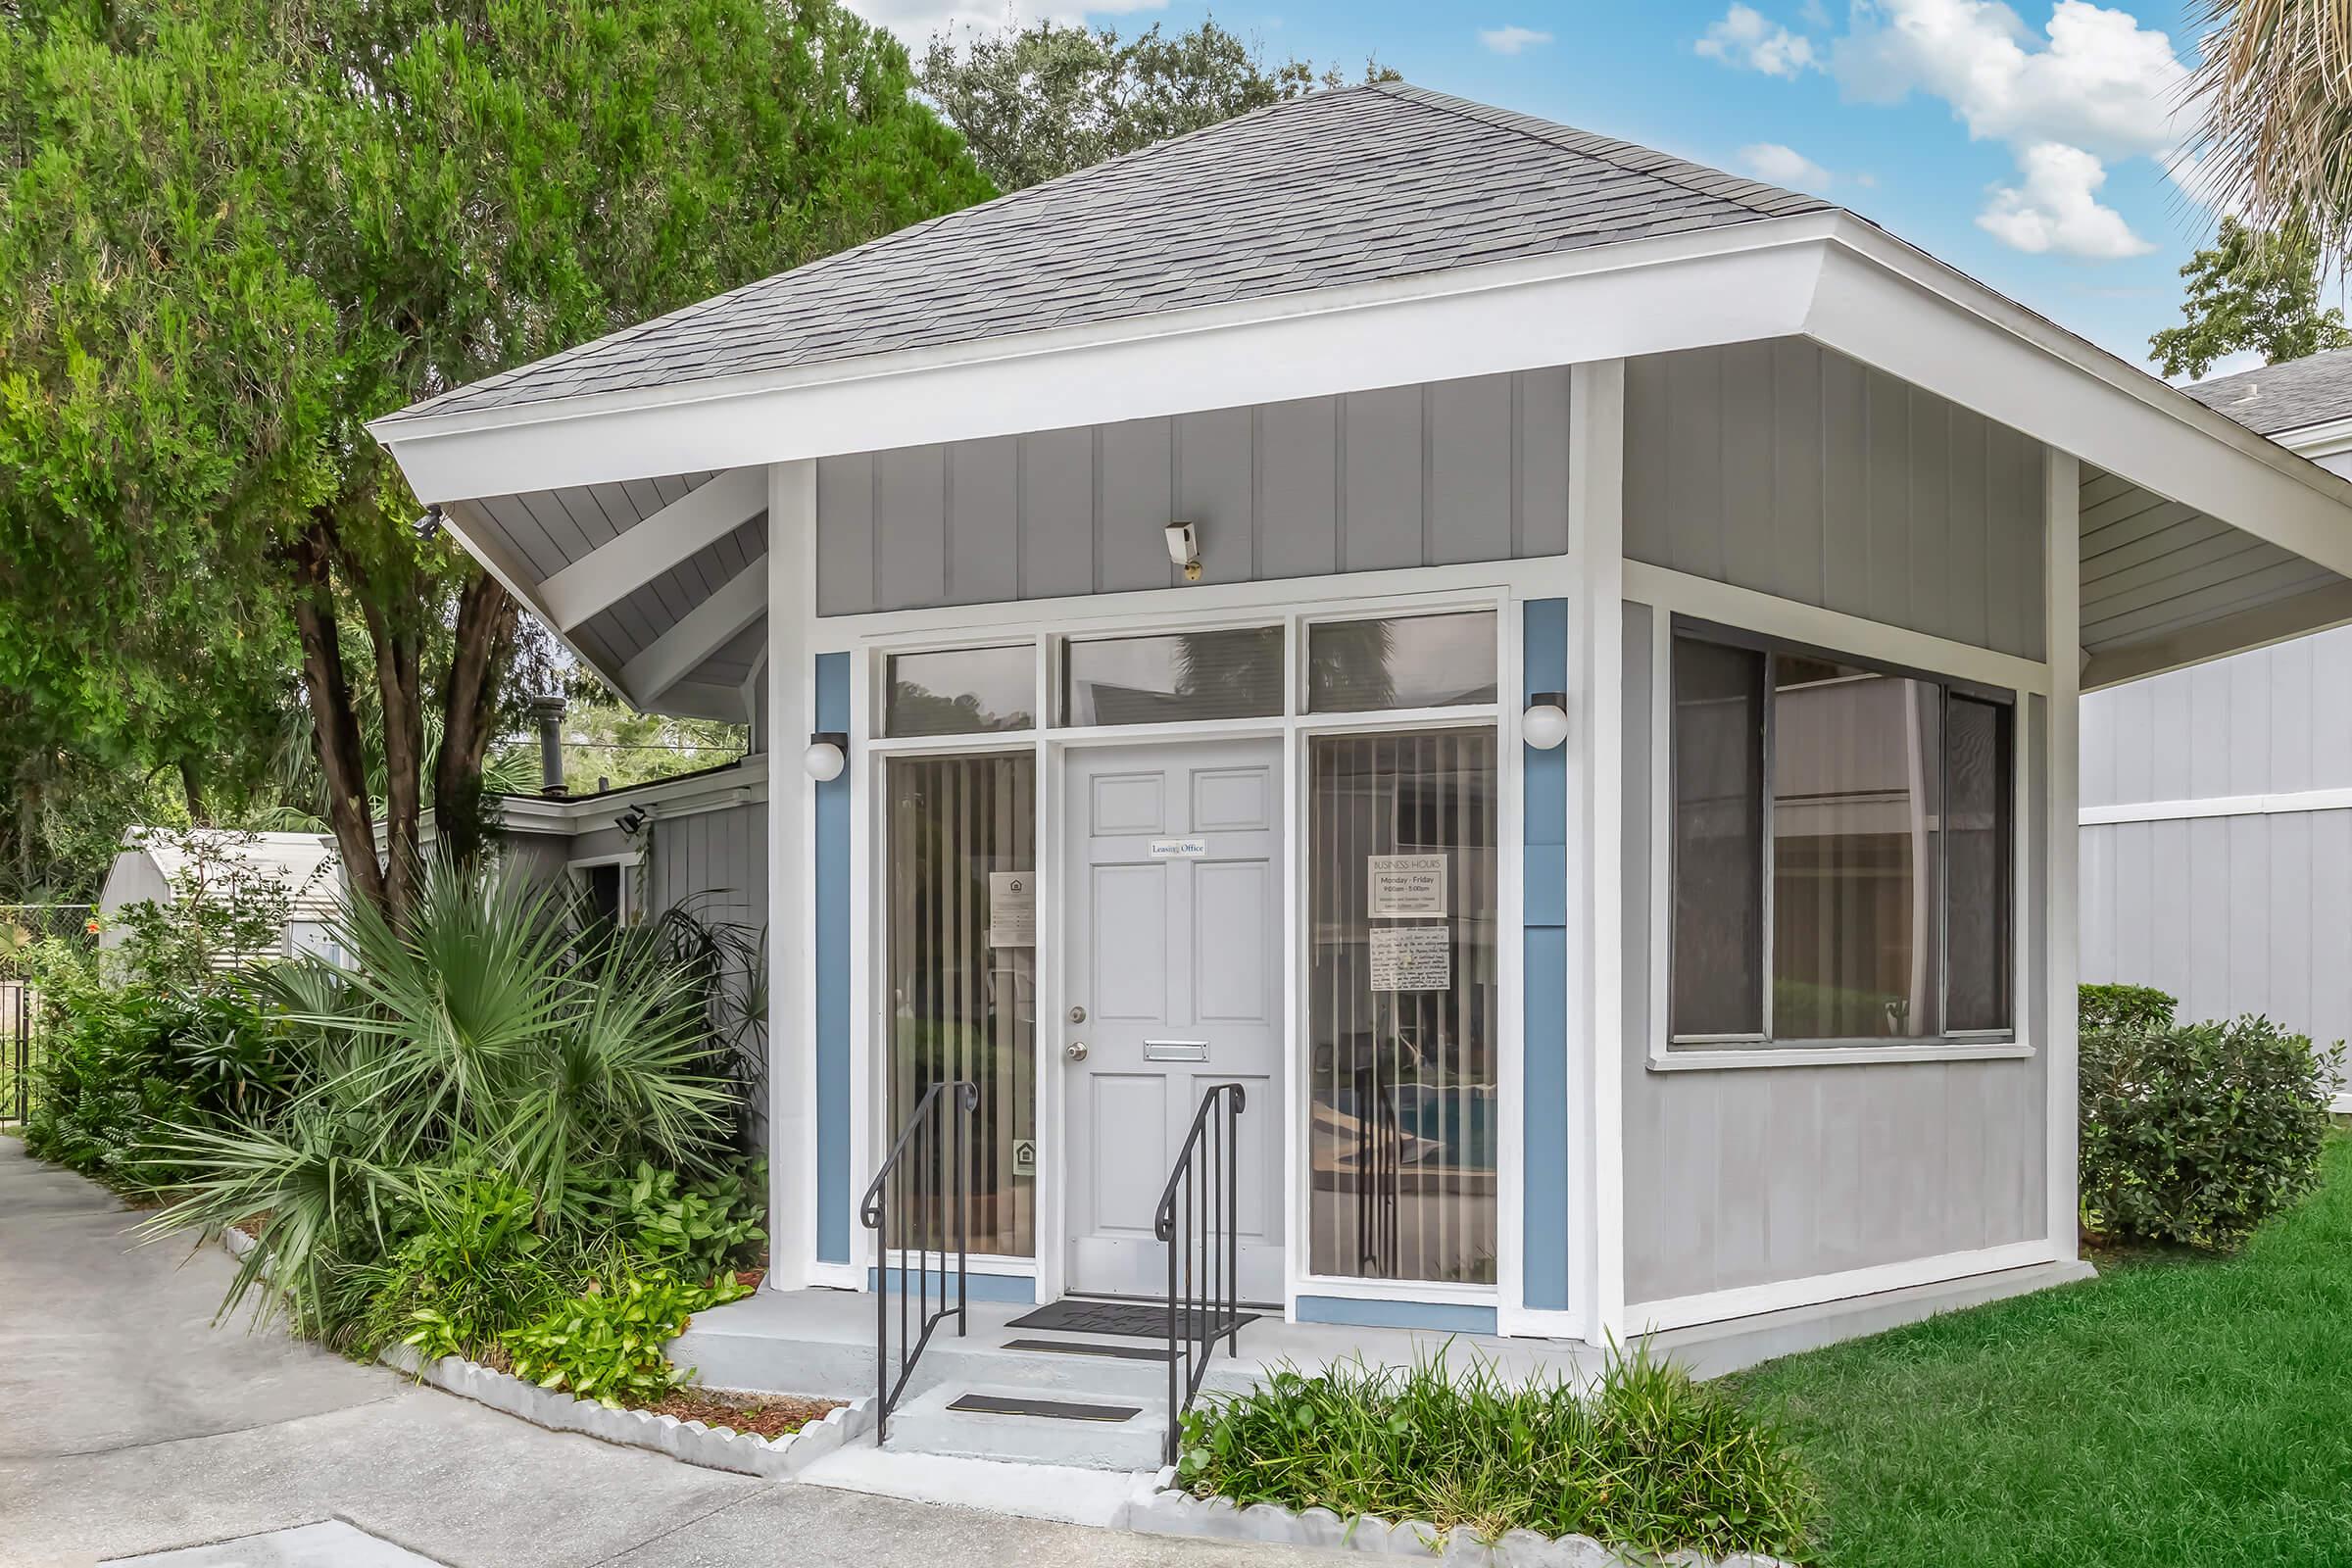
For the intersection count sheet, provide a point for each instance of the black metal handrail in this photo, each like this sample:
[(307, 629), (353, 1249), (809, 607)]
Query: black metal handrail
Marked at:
[(1199, 1211), (938, 1193)]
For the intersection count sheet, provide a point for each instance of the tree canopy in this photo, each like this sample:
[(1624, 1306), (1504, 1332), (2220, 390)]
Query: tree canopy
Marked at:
[(2250, 290), (233, 231), (1041, 100)]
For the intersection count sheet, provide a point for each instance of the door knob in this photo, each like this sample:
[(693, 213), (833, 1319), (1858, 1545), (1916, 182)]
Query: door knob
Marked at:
[(1075, 1051)]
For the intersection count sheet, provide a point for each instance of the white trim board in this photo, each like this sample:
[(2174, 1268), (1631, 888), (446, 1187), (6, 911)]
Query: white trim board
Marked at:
[(2281, 804), (1748, 1300)]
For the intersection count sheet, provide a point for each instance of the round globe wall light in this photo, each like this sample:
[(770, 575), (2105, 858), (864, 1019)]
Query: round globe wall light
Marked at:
[(1544, 725)]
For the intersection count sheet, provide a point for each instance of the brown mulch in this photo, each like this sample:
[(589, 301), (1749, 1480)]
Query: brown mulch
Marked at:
[(765, 1415)]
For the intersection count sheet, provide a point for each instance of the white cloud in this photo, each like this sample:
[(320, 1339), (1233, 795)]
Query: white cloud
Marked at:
[(2097, 79), (2093, 86), (1813, 14), (1783, 165), (2056, 208), (1746, 39), (1511, 39)]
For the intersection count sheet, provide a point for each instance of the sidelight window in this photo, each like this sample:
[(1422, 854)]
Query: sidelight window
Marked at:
[(962, 974), (1404, 1050)]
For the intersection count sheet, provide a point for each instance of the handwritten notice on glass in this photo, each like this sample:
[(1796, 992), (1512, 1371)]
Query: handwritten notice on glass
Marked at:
[(1011, 910), (1405, 884), (1412, 957)]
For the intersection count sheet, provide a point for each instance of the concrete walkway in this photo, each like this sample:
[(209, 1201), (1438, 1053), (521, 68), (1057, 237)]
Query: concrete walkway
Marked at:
[(129, 1425)]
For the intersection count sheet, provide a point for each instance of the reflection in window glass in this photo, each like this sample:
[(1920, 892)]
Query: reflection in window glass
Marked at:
[(962, 691), (1978, 857), (1354, 667), (961, 835), (1718, 840), (1231, 674), (1856, 785), (1404, 1051)]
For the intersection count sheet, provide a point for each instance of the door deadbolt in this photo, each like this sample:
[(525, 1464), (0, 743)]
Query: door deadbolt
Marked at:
[(1077, 1016), (1075, 1051)]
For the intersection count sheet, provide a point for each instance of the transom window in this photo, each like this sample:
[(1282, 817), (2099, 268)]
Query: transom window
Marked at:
[(1843, 848)]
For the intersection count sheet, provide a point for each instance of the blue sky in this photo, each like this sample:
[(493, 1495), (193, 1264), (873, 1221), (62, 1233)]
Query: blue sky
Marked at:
[(2029, 145)]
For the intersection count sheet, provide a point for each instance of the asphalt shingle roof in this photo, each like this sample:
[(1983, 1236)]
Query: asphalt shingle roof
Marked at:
[(2282, 397), (1352, 185)]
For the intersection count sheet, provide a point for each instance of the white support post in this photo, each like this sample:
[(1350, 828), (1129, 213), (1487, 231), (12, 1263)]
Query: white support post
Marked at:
[(791, 875), (1597, 539), (2063, 928)]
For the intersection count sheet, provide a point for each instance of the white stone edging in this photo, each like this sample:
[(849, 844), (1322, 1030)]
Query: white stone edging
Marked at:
[(1168, 1511), (691, 1442)]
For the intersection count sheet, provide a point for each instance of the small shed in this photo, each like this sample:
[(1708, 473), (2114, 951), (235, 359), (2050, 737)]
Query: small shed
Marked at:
[(154, 865)]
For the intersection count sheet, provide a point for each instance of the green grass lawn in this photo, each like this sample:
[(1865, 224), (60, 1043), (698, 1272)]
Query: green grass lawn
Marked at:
[(2178, 1412)]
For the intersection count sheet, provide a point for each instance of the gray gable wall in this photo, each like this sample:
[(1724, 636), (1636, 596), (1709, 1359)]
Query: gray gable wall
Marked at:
[(1789, 469), (1474, 469)]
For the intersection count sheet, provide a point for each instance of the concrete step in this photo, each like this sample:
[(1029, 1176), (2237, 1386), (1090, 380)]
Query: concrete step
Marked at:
[(1099, 1432), (741, 1352)]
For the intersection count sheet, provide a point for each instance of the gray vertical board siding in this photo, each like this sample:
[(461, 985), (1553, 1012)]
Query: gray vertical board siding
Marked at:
[(2232, 914), (1755, 1175), (1789, 469), (1467, 470), (2269, 721)]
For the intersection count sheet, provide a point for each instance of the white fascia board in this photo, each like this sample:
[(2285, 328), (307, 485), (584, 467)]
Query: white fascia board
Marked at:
[(1886, 305), (2327, 439), (613, 571), (1747, 281), (704, 630)]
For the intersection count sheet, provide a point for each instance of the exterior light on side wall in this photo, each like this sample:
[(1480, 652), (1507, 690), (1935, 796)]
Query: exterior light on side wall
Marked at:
[(1184, 549), (631, 822), (827, 754), (1544, 725)]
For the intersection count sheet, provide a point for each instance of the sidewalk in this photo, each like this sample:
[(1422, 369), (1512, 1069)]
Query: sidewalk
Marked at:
[(129, 1425)]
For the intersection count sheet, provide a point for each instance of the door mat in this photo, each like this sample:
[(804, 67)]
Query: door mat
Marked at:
[(1142, 1320)]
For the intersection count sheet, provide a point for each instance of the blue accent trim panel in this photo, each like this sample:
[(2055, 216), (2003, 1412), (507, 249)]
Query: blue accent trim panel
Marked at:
[(1544, 888), (1449, 1317), (832, 971), (1017, 1288), (1544, 972)]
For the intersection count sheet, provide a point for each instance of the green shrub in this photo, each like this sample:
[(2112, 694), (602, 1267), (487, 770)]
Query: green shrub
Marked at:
[(2125, 1007), (472, 1265), (470, 1038), (694, 1228), (119, 1065), (607, 1344), (2198, 1132), (1649, 1458)]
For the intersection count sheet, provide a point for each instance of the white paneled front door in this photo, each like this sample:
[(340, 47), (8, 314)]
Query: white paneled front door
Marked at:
[(1173, 915)]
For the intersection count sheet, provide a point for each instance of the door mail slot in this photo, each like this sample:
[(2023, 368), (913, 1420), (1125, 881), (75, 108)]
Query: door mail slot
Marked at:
[(1175, 1051)]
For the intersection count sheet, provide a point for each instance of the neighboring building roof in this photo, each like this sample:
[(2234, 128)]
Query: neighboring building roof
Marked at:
[(1354, 185), (2279, 398), (304, 862)]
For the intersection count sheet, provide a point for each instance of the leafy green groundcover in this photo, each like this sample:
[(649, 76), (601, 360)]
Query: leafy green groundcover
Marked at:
[(2182, 1409), (1650, 1459)]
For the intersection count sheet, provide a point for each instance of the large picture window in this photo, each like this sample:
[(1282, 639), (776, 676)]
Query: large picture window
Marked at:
[(1841, 848)]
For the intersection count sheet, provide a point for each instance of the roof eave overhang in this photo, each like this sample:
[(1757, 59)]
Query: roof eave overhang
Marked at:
[(1824, 275)]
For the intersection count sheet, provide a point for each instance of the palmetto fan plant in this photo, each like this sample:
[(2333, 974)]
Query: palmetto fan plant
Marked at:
[(2275, 94), (484, 1034)]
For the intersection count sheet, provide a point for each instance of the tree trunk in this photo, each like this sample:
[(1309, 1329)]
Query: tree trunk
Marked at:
[(400, 696), (483, 637), (335, 724), (191, 784)]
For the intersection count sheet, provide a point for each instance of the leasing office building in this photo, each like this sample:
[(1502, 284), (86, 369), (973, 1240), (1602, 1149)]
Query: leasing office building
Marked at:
[(1553, 666)]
